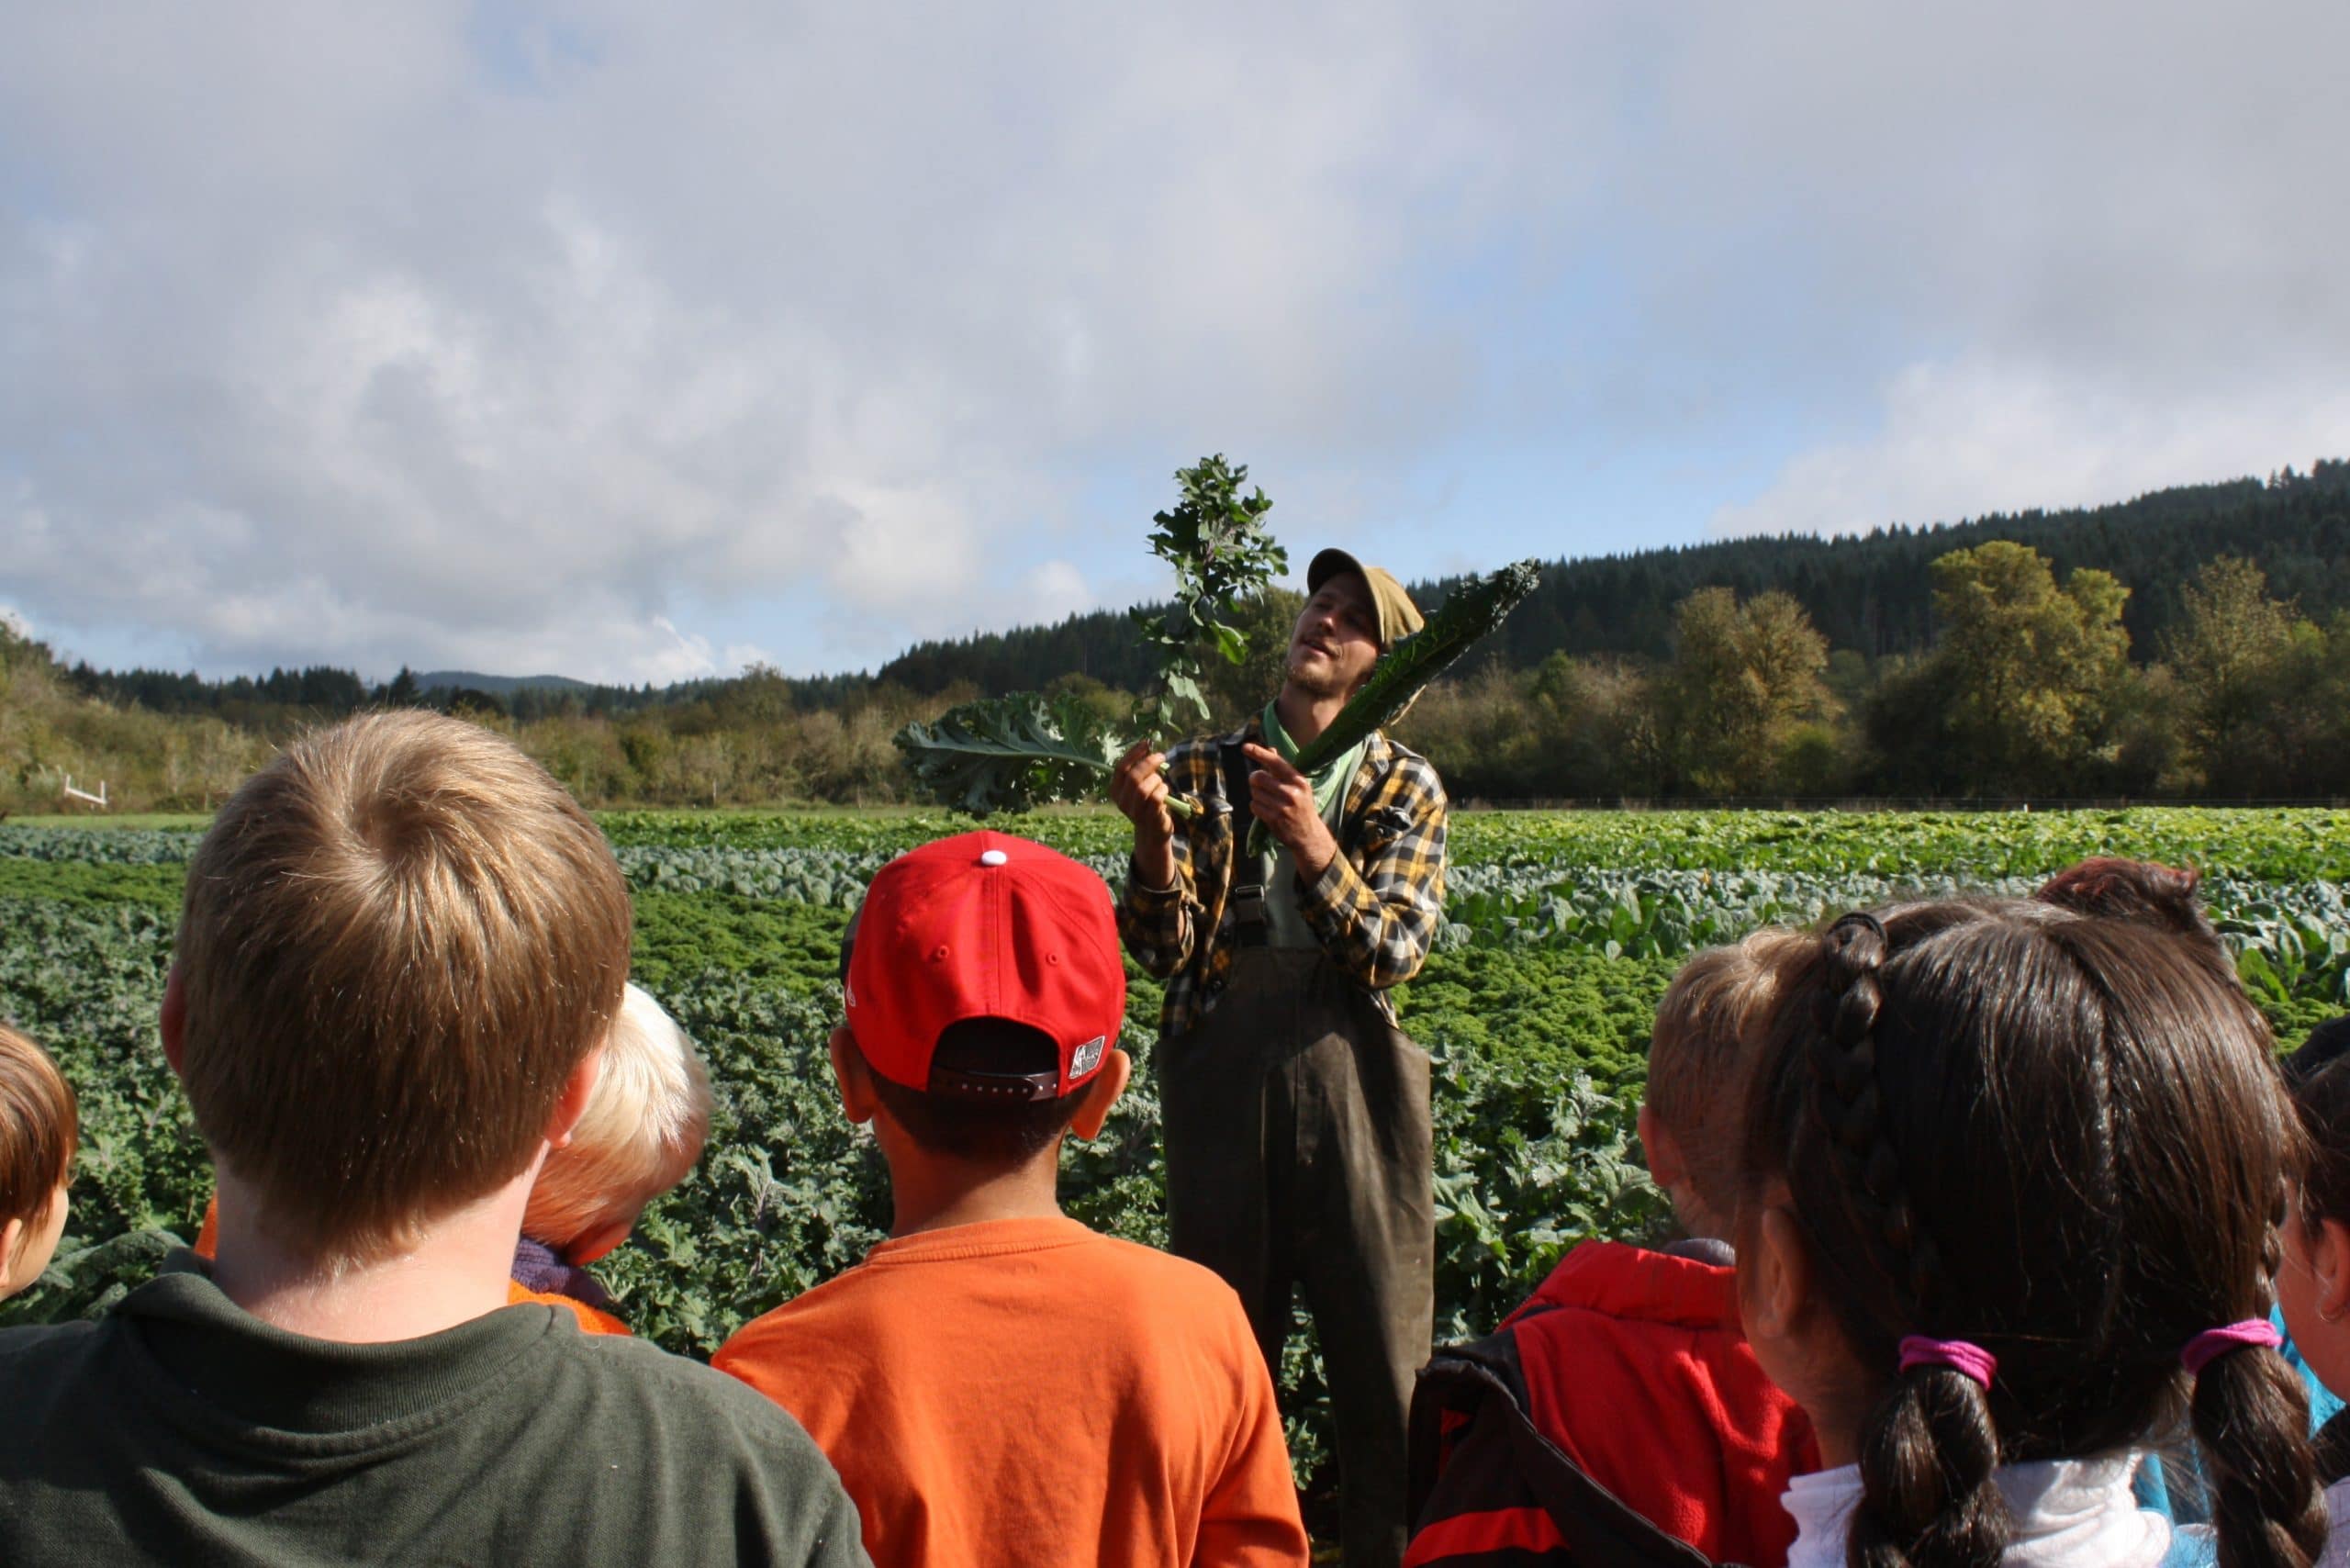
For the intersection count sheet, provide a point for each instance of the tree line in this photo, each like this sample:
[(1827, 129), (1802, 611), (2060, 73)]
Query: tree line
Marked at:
[(2206, 655), (2030, 689), (1871, 593)]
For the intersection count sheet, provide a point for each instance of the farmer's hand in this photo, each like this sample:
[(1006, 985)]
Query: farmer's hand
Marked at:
[(1283, 799), (1138, 789)]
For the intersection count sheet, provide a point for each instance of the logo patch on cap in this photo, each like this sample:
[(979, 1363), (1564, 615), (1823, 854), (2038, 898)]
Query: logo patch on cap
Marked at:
[(1086, 1057)]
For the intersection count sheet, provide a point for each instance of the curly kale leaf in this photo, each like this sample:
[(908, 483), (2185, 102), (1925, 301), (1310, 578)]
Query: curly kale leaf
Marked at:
[(1010, 754)]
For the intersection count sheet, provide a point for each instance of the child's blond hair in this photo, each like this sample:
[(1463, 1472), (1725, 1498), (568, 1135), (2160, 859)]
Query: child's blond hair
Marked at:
[(39, 1126), (646, 1121), (398, 940), (1703, 1049)]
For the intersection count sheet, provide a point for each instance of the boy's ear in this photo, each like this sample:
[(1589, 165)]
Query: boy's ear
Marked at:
[(1100, 1094), (852, 1077), (12, 1238), (1663, 1151), (174, 1019), (572, 1104)]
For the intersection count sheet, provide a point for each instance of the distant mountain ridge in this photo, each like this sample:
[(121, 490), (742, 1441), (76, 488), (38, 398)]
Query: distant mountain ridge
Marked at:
[(496, 685)]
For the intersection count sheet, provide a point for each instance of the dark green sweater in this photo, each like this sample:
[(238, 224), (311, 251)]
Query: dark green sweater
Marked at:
[(182, 1431)]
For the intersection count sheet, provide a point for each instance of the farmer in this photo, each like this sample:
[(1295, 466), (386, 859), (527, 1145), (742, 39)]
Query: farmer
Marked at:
[(1296, 1111)]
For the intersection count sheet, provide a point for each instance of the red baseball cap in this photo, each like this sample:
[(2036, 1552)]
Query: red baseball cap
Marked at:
[(985, 925)]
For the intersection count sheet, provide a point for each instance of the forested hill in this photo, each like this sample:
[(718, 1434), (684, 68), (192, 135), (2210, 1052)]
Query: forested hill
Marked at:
[(1868, 592)]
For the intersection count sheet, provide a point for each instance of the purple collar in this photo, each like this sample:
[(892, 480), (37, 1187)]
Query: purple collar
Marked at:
[(538, 1267)]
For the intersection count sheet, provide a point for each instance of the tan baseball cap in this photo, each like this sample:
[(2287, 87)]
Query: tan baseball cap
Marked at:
[(1398, 616)]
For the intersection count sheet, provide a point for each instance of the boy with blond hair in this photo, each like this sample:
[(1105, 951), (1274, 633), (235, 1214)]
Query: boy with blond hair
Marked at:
[(1626, 1371), (644, 1128), (400, 944), (998, 1383)]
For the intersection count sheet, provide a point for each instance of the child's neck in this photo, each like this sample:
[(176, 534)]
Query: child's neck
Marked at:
[(932, 1193), (459, 1270)]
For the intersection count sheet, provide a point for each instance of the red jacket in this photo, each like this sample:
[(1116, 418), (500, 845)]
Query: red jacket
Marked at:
[(1619, 1405)]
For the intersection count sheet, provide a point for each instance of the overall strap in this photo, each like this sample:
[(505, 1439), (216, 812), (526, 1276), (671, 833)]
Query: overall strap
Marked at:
[(1247, 898)]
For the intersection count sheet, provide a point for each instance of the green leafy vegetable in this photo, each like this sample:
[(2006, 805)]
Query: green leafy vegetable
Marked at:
[(1010, 753), (1214, 538)]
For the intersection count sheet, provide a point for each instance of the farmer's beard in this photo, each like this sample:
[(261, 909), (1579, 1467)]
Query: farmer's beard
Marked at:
[(1317, 679)]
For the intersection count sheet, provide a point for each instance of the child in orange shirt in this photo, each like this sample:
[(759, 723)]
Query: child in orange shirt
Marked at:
[(995, 1383), (40, 1125)]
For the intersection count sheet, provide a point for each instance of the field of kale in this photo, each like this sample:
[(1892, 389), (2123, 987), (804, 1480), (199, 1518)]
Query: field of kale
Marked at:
[(1562, 930)]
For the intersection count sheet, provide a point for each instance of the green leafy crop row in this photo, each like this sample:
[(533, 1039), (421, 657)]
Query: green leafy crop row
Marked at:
[(2268, 844), (1563, 929)]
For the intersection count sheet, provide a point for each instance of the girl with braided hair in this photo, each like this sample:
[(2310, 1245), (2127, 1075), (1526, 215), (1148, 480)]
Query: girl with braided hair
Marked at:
[(2014, 1173)]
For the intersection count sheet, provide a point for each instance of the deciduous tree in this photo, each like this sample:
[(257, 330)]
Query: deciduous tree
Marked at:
[(2032, 671), (1743, 677), (2243, 664)]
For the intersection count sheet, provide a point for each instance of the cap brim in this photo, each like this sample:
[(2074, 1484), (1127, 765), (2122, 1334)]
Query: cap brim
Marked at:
[(1328, 563), (1398, 617)]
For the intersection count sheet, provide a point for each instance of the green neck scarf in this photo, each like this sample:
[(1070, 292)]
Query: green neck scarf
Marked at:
[(1330, 782)]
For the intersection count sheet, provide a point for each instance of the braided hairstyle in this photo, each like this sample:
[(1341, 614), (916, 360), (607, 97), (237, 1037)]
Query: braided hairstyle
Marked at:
[(2055, 1133), (2238, 1399)]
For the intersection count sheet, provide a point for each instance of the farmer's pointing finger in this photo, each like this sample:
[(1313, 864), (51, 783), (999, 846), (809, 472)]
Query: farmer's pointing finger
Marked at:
[(1273, 763)]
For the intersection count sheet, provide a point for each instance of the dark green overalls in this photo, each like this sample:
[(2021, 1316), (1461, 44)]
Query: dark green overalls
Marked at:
[(1297, 1129)]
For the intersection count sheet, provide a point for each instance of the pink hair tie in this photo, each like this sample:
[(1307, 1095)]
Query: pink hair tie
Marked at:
[(1972, 1361), (2213, 1343)]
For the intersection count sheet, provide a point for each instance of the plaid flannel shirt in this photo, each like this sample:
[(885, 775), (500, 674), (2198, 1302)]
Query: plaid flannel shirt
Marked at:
[(1375, 909)]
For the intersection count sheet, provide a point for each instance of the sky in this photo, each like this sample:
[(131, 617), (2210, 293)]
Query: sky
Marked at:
[(638, 342)]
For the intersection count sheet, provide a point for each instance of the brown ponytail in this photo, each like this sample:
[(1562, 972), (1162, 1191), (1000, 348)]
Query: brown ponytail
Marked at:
[(1927, 1454), (2251, 1414)]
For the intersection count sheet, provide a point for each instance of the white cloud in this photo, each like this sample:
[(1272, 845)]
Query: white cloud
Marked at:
[(1054, 590), (2090, 238), (639, 656), (1961, 439), (499, 336), (382, 338)]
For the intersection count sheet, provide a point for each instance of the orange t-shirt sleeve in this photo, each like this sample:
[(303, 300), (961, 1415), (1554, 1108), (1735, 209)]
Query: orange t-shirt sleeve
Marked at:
[(1249, 1516), (592, 1320), (207, 1237)]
